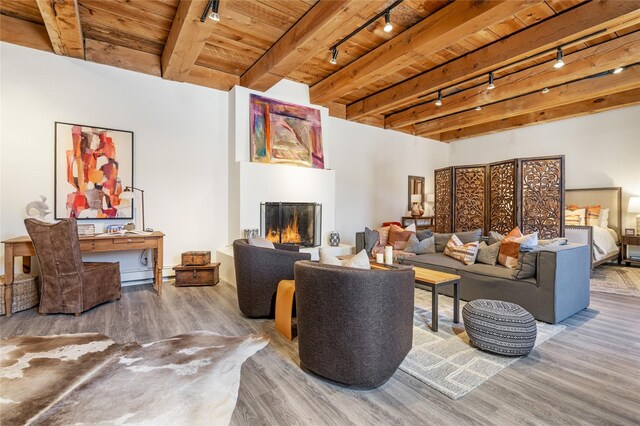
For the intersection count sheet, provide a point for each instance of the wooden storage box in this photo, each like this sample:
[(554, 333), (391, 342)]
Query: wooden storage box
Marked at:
[(26, 293), (196, 258), (197, 275)]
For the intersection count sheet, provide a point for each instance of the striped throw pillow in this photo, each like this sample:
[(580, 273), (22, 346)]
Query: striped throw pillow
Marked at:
[(465, 253), (575, 217)]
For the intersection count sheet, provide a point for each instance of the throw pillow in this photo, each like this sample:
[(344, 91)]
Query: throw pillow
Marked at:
[(526, 266), (411, 228), (384, 235), (424, 234), (465, 237), (414, 245), (370, 239), (398, 237), (465, 253), (511, 245), (360, 260), (488, 254), (575, 217), (494, 237), (260, 242)]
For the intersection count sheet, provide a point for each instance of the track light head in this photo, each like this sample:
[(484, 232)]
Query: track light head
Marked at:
[(545, 90), (478, 108), (491, 86), (213, 6), (334, 56), (214, 16), (439, 101), (618, 70), (559, 62), (387, 22)]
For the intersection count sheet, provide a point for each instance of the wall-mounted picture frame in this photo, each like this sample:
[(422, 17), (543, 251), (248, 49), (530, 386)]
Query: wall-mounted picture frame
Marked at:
[(629, 231), (93, 165)]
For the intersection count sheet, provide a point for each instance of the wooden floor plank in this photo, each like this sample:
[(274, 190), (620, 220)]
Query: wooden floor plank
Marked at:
[(586, 375)]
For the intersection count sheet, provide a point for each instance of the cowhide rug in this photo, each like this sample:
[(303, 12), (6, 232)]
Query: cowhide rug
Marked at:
[(189, 379)]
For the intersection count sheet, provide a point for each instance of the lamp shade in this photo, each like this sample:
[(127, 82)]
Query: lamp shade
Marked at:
[(634, 205), (416, 198)]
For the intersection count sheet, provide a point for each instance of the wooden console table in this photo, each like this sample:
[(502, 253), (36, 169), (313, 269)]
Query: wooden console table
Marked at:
[(23, 247)]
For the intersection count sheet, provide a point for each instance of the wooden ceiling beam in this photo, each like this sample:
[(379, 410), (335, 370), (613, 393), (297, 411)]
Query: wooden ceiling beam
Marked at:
[(561, 95), (24, 33), (438, 31), (618, 52), (579, 22), (186, 39), (303, 41), (122, 57), (214, 79), (62, 21), (589, 106)]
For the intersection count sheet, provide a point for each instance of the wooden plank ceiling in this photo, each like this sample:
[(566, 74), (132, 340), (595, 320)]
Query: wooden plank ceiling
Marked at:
[(387, 79)]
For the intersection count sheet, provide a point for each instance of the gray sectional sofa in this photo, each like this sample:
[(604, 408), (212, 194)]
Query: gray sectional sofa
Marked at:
[(559, 289)]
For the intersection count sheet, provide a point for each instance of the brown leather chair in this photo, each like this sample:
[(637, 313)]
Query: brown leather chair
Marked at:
[(67, 285)]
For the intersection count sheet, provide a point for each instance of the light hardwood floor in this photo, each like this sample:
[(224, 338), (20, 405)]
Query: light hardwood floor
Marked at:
[(587, 374)]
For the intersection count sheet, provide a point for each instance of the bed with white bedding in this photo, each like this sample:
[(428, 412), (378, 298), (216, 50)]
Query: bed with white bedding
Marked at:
[(601, 225)]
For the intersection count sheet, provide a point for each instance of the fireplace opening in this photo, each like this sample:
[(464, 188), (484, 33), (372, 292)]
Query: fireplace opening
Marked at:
[(292, 223)]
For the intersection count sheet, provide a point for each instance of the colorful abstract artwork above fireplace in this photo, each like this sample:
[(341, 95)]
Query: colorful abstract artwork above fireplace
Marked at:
[(285, 133), (92, 167)]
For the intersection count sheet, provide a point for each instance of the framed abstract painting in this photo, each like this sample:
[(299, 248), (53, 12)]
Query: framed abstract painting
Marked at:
[(285, 133), (93, 165)]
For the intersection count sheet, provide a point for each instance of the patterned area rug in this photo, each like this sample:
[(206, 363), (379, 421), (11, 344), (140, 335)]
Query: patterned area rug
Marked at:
[(608, 278), (87, 378), (447, 362)]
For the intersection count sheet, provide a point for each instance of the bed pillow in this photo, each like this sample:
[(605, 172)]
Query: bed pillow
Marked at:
[(398, 237), (465, 253), (465, 237), (593, 215), (414, 245), (488, 254), (603, 220), (575, 217)]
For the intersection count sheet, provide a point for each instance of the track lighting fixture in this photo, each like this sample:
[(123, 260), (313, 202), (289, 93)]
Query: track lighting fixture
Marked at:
[(545, 90), (559, 62), (334, 56), (439, 101), (618, 70), (212, 5), (478, 108), (387, 22), (491, 86)]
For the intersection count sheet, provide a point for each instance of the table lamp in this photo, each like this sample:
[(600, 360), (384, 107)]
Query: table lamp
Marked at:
[(634, 207), (127, 194)]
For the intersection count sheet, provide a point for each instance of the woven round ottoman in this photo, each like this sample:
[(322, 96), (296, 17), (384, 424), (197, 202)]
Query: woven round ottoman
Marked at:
[(500, 327)]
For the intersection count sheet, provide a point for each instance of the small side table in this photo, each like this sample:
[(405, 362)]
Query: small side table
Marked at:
[(629, 240), (435, 280)]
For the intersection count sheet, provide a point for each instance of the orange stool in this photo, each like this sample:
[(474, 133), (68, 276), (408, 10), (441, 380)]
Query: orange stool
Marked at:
[(284, 307)]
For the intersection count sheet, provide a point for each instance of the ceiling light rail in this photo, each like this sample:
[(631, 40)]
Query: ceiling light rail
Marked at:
[(387, 28)]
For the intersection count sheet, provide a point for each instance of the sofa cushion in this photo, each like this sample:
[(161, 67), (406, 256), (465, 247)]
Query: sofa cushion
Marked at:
[(465, 237), (438, 259), (488, 254), (398, 237), (494, 237), (427, 245), (370, 239), (526, 267), (424, 234), (494, 271)]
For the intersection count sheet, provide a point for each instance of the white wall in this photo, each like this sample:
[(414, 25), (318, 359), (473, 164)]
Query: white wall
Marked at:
[(180, 146), (372, 167), (601, 150)]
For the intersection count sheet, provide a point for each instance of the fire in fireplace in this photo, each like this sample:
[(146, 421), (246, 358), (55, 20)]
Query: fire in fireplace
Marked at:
[(292, 223)]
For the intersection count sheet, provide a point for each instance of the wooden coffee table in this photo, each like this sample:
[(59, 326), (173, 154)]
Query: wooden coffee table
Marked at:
[(434, 280)]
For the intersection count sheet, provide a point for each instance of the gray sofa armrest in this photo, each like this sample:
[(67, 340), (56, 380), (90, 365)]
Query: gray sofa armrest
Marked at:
[(563, 279), (359, 241)]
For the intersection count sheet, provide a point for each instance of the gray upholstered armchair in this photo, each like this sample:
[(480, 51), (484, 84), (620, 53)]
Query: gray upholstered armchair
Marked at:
[(355, 326), (68, 285), (258, 272)]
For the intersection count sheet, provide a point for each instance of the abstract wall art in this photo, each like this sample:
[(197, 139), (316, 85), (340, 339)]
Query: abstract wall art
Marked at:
[(92, 167), (285, 133)]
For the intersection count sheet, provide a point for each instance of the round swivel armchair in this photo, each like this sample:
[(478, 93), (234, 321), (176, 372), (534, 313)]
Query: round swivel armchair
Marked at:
[(355, 326)]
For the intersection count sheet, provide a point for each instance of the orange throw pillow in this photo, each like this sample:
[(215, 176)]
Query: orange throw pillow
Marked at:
[(509, 249), (398, 237)]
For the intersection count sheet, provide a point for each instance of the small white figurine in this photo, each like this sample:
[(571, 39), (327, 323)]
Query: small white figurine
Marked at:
[(41, 209)]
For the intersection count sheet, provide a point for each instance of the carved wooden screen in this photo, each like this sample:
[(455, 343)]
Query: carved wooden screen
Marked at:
[(503, 195), (542, 195), (443, 203), (469, 206)]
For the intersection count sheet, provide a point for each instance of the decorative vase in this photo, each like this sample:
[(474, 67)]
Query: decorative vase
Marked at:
[(334, 239)]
